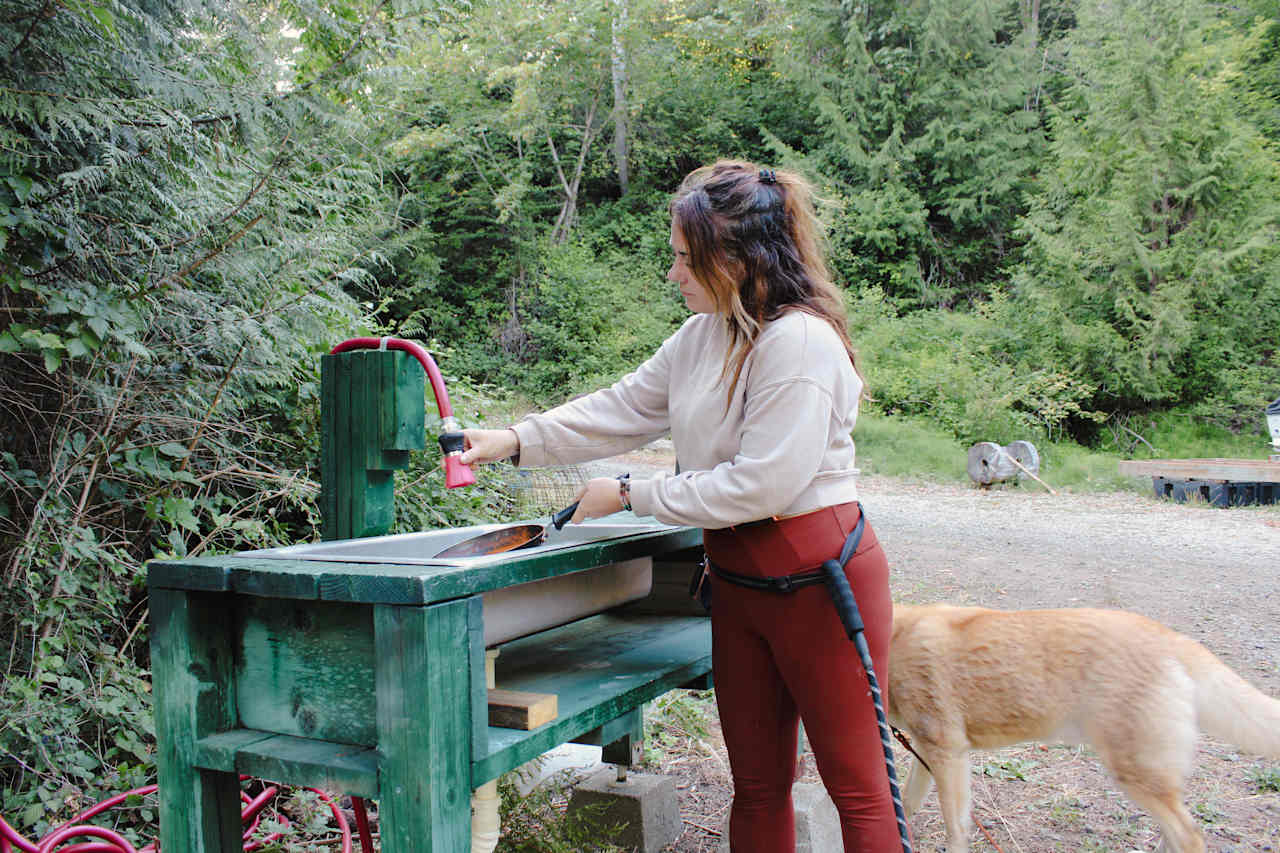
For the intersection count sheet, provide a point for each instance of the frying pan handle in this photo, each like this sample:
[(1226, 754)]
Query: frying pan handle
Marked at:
[(561, 518)]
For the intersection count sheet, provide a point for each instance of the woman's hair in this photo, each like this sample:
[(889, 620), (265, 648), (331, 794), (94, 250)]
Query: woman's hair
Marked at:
[(755, 243)]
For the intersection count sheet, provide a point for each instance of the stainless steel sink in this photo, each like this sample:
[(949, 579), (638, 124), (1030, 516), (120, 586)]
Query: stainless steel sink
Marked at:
[(419, 549), (513, 611)]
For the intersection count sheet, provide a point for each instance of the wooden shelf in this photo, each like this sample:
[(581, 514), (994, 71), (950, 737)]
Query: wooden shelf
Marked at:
[(599, 668)]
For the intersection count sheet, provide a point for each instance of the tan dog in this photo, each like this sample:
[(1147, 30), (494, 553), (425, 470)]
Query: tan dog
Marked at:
[(965, 678)]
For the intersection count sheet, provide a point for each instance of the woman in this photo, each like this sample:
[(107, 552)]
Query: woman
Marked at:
[(759, 391)]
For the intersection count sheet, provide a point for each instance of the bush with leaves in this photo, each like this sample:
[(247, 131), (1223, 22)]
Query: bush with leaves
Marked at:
[(181, 216)]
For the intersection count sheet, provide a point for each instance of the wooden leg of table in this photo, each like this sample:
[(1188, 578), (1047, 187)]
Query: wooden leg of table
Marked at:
[(191, 670), (423, 687)]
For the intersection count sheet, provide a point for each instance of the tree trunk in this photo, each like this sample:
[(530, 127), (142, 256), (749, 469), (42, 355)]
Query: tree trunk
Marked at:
[(569, 208), (621, 144)]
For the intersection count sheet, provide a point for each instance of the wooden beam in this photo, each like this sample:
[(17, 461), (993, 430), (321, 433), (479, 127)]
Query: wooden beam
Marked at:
[(515, 709), (1234, 470)]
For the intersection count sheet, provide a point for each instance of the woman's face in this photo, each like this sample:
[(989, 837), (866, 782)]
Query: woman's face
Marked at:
[(697, 298)]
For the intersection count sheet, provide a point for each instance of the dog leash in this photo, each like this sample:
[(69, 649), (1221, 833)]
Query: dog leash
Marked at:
[(847, 608)]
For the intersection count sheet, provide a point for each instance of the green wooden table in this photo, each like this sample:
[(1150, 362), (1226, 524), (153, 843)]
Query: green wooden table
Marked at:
[(368, 679)]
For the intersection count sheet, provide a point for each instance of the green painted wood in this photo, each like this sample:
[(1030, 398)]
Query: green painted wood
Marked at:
[(599, 668), (424, 706), (218, 752), (410, 422), (350, 499), (292, 580), (706, 681), (193, 575), (479, 688), (328, 450), (389, 583), (191, 675), (630, 723), (359, 400), (305, 668), (300, 761)]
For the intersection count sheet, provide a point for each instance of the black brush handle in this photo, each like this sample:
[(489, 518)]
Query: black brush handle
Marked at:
[(561, 518)]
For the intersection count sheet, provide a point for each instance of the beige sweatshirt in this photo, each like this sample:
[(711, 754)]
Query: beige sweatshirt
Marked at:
[(782, 448)]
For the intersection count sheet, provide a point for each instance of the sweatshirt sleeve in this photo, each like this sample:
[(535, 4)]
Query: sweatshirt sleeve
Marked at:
[(784, 438), (627, 415)]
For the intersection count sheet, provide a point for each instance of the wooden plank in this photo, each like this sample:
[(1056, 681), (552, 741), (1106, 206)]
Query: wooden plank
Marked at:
[(479, 686), (410, 404), (1235, 470), (517, 709), (204, 575), (600, 669), (328, 447), (194, 698), (630, 723), (218, 752), (391, 583), (305, 668), (423, 684), (344, 456), (300, 761)]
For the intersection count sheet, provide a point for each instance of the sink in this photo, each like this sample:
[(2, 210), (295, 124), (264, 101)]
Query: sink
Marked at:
[(419, 549), (513, 611)]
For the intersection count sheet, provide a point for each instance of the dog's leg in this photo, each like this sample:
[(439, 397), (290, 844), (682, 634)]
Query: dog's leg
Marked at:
[(951, 773), (1178, 828), (918, 781), (1150, 761)]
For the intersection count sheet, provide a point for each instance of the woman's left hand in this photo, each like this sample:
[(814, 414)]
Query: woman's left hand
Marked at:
[(600, 496)]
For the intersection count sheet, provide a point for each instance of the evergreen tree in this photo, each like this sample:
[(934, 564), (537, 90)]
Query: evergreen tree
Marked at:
[(1153, 271)]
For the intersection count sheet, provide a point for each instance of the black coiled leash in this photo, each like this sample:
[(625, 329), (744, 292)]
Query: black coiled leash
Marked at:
[(847, 607), (832, 574)]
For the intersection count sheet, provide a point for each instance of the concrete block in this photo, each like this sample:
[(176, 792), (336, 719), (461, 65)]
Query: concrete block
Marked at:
[(817, 824), (643, 812)]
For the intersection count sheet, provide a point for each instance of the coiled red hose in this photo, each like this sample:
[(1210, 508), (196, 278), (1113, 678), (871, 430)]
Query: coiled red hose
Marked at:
[(108, 841)]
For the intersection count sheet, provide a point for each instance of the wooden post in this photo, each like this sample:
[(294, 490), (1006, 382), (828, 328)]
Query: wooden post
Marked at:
[(424, 695), (191, 668), (371, 415)]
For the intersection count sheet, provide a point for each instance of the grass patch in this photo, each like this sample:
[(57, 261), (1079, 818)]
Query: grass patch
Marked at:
[(908, 447), (912, 446), (898, 446)]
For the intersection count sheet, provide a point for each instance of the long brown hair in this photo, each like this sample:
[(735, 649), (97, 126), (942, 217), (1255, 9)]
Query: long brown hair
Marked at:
[(755, 243)]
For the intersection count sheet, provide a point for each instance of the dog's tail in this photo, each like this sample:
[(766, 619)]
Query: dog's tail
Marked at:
[(1228, 707)]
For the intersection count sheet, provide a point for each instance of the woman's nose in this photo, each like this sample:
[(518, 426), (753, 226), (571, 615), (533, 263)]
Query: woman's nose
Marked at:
[(671, 274)]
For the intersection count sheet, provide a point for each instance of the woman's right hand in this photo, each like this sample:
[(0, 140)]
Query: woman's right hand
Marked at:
[(489, 445)]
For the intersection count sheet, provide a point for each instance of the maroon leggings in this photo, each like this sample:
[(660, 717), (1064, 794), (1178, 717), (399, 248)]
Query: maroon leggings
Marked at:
[(780, 657)]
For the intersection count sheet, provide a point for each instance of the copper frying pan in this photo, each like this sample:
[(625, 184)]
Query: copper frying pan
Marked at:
[(508, 538)]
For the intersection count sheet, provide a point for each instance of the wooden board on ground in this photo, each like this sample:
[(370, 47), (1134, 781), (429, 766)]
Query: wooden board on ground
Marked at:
[(1236, 470), (516, 709)]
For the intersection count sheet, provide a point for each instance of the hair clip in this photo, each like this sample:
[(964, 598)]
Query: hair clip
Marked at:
[(768, 176)]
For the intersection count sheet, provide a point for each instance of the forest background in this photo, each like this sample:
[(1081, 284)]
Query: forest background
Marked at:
[(1054, 220)]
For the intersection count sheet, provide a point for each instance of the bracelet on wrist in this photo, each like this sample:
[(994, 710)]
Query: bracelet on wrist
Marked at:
[(624, 491)]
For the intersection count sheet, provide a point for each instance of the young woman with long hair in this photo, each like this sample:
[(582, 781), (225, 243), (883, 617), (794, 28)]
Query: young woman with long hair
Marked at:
[(759, 390)]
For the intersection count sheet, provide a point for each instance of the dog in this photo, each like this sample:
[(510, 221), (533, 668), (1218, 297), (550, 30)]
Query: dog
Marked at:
[(963, 678)]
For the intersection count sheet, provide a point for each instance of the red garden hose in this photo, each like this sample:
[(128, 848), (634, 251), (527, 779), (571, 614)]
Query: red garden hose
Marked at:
[(108, 841), (455, 473)]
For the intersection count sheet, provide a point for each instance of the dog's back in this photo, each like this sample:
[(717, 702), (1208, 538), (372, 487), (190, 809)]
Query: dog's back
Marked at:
[(967, 677)]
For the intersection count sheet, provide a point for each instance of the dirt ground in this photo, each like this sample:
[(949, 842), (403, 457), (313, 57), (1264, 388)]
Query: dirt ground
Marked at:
[(1210, 573)]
